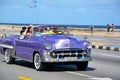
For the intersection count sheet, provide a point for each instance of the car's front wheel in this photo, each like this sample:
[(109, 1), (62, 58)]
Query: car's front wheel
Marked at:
[(8, 58), (37, 62), (82, 65)]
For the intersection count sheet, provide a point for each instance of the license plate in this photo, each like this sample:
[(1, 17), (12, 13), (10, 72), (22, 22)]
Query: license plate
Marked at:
[(70, 58)]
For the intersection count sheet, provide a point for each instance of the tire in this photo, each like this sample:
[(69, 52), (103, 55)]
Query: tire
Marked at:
[(82, 66), (39, 66), (8, 58)]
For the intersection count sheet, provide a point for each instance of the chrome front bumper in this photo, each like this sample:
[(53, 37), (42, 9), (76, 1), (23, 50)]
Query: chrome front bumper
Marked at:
[(68, 59)]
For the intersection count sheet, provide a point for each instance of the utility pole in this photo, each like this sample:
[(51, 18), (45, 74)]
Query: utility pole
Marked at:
[(34, 6), (35, 3)]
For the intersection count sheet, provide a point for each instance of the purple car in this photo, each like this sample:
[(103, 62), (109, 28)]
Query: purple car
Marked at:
[(48, 44)]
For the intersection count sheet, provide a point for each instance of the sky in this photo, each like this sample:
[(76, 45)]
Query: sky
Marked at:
[(78, 12)]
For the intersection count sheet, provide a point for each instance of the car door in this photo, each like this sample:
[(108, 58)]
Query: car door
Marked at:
[(30, 48), (21, 47), (32, 45)]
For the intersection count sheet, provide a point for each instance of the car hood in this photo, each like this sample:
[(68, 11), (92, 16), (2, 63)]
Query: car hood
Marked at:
[(63, 41)]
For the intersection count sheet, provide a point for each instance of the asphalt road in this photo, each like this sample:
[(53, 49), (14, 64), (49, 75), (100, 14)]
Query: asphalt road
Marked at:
[(104, 66)]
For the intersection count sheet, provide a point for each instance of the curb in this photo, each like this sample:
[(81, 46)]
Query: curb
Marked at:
[(106, 48)]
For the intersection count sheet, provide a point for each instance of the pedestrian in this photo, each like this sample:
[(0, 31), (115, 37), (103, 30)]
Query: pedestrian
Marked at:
[(112, 27), (108, 28), (91, 29)]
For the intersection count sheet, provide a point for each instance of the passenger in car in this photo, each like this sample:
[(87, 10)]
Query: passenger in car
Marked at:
[(27, 32), (22, 34), (47, 30), (38, 32), (51, 31)]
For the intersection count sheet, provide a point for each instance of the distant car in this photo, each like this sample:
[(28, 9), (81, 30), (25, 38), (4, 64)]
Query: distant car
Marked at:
[(47, 44)]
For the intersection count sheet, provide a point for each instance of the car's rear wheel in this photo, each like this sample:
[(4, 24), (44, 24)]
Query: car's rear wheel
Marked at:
[(8, 58), (82, 65), (37, 62)]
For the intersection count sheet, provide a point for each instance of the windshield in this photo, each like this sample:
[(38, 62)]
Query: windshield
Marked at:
[(50, 30)]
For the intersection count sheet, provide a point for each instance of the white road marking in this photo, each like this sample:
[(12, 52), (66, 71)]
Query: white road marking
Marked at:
[(81, 74), (100, 79), (89, 77), (110, 55)]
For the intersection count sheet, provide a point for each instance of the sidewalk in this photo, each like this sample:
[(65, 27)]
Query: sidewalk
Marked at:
[(97, 32), (101, 39)]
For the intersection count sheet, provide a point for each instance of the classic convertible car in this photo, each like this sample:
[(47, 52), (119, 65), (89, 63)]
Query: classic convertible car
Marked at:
[(47, 44)]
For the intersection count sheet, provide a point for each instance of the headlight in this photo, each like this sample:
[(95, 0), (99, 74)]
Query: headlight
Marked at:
[(88, 45), (48, 46), (85, 53), (53, 55)]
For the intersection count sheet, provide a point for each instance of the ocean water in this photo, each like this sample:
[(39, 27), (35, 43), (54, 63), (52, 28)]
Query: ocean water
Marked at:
[(72, 26)]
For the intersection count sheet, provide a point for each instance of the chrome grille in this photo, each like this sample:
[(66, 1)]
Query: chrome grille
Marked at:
[(66, 53)]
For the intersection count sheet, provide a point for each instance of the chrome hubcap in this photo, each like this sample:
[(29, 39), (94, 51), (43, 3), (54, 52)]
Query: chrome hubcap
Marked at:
[(37, 61), (7, 56)]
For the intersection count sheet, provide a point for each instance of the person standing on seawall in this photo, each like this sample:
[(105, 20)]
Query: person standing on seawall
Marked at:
[(108, 28), (91, 29), (112, 27)]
